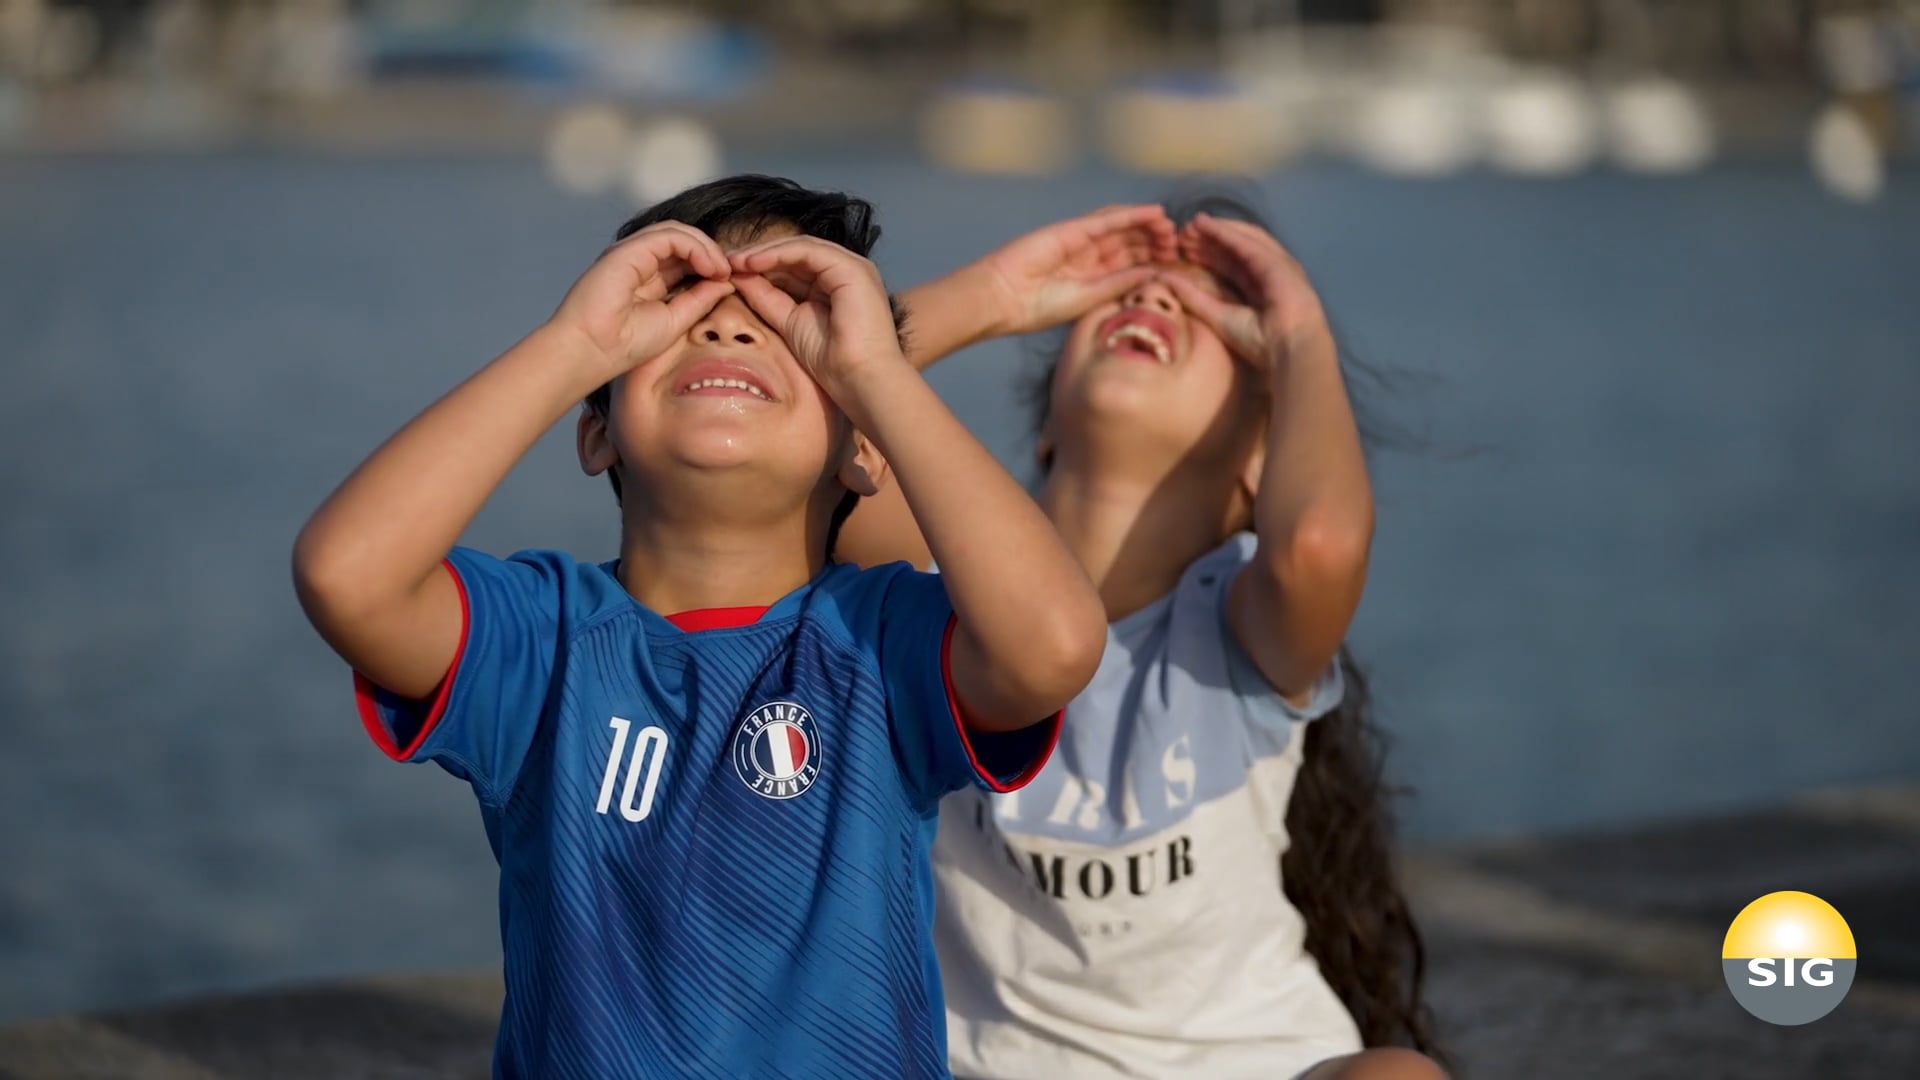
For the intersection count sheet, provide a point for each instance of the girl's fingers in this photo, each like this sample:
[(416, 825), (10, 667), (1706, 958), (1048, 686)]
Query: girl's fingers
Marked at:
[(1118, 284), (1209, 308), (1146, 224), (1252, 244), (1246, 230), (1166, 247), (1117, 251), (1133, 248), (1117, 218), (1235, 324), (1226, 266)]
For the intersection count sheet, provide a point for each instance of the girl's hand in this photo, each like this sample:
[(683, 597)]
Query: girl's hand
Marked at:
[(1276, 305), (827, 303), (1058, 273), (643, 293)]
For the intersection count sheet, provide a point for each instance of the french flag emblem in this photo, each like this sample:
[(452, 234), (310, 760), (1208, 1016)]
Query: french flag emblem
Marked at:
[(780, 750), (776, 750)]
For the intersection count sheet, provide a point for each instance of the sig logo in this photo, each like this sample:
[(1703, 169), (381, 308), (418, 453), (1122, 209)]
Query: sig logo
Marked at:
[(1788, 958)]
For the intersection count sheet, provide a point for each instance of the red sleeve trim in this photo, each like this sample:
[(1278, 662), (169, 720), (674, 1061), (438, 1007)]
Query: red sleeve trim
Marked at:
[(363, 688), (960, 723), (716, 618)]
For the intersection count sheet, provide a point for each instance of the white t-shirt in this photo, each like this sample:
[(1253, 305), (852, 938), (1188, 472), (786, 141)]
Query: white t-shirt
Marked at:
[(1122, 915)]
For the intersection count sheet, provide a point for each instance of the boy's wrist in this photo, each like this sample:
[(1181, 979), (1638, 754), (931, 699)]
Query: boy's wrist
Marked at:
[(861, 390), (567, 346)]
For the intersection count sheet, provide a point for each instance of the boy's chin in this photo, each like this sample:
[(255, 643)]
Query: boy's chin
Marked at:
[(740, 449)]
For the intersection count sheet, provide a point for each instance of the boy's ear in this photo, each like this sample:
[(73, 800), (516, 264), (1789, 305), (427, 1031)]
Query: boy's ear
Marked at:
[(594, 443), (864, 472)]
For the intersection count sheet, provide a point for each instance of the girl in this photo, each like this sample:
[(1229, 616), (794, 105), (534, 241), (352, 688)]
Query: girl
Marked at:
[(1199, 883)]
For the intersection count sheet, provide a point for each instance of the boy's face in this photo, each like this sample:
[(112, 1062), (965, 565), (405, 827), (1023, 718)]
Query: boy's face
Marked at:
[(729, 397)]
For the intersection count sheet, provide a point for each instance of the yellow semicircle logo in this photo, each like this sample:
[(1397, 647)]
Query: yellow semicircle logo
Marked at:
[(1788, 924)]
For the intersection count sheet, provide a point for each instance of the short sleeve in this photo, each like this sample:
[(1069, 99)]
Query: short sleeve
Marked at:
[(939, 754), (481, 720), (1201, 643), (1266, 704)]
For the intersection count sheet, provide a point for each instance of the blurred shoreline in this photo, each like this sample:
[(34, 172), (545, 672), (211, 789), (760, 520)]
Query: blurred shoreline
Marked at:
[(1079, 81), (806, 99)]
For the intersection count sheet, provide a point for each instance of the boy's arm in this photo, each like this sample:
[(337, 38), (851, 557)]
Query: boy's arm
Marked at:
[(368, 565), (1291, 605), (1050, 276), (1030, 628)]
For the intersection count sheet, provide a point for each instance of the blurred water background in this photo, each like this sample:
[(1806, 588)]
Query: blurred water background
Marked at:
[(1651, 553)]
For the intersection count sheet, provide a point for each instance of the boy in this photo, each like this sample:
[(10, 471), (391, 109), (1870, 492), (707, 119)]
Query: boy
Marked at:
[(710, 769)]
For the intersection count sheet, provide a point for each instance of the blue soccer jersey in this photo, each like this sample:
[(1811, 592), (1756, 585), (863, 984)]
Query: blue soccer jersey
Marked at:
[(712, 829)]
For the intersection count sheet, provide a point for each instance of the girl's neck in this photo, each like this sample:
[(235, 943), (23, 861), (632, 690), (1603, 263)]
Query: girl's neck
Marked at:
[(1135, 537)]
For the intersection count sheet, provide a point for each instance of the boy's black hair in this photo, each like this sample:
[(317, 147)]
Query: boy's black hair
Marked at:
[(741, 207)]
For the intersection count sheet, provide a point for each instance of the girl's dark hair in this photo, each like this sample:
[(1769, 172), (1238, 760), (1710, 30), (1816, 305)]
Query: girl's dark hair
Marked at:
[(1339, 868), (744, 206), (1339, 872)]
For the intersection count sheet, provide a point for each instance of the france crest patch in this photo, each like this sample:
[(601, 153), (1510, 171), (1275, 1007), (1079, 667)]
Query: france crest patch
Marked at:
[(776, 750)]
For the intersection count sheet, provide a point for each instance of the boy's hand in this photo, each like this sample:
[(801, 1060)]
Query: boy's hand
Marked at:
[(643, 293), (1058, 273), (827, 303), (1280, 303)]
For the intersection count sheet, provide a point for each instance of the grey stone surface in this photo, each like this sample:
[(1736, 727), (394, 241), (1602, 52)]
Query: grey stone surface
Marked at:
[(1514, 1012), (1569, 957)]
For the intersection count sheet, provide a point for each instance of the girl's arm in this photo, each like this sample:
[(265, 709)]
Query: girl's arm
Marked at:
[(1050, 276), (1291, 605), (368, 564)]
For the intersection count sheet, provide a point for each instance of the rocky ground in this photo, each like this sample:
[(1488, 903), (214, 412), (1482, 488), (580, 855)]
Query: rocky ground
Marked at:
[(1594, 955)]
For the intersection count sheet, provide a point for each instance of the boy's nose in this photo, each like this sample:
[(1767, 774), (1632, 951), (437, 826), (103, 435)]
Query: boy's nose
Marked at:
[(731, 322), (1153, 294)]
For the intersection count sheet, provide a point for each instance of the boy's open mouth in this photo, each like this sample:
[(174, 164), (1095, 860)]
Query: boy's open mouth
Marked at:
[(1139, 334), (722, 378)]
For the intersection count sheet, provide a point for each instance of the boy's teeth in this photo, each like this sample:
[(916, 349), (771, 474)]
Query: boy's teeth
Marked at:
[(1136, 332), (730, 384)]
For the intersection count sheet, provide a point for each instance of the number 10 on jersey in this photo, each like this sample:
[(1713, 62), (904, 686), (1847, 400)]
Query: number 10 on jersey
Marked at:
[(649, 750)]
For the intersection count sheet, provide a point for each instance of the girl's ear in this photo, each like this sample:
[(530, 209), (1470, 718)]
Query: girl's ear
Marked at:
[(1254, 467), (1043, 442), (594, 443), (1247, 484), (1253, 470)]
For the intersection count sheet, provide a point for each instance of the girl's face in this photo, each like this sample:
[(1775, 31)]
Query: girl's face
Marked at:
[(1146, 367)]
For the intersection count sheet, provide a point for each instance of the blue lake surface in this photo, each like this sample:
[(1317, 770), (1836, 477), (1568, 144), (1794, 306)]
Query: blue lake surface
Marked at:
[(1658, 557)]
